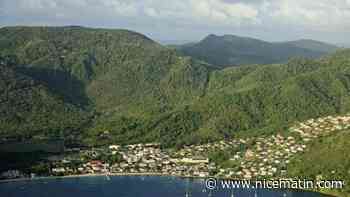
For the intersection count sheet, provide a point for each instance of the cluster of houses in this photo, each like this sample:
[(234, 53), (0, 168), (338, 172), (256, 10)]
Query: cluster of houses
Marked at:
[(269, 156), (250, 158), (12, 174), (149, 158), (204, 149), (141, 159), (314, 128)]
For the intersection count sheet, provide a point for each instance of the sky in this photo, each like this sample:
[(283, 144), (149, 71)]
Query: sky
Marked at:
[(191, 20)]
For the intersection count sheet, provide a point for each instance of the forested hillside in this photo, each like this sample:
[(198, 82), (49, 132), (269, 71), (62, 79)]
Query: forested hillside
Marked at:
[(314, 45), (102, 67), (115, 73), (230, 50), (28, 108), (140, 91), (335, 166)]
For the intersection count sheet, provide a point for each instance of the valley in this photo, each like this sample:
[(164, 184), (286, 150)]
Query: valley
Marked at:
[(267, 157), (96, 88)]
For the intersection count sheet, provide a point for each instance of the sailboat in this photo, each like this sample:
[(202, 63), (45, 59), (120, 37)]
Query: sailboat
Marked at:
[(107, 177), (187, 188), (107, 173), (210, 193), (232, 194)]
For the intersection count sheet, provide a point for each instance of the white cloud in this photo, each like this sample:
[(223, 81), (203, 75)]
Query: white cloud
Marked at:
[(320, 14), (151, 12), (226, 13), (189, 15), (204, 10)]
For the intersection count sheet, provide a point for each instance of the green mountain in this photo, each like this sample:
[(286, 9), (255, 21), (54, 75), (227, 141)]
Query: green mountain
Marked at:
[(314, 165), (129, 88), (116, 73), (28, 108), (314, 45), (100, 67), (229, 50)]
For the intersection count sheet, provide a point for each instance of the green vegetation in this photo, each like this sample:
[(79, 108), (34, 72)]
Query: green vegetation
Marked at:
[(23, 161), (229, 50), (28, 108), (222, 158), (41, 169), (326, 159), (108, 73), (314, 45), (47, 145), (100, 86), (110, 159)]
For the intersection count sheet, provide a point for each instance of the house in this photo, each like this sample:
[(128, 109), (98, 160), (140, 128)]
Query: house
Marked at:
[(249, 154), (196, 160), (58, 170), (114, 147)]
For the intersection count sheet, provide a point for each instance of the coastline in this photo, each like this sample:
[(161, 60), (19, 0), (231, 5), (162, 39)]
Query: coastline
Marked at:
[(333, 193), (326, 192), (96, 175)]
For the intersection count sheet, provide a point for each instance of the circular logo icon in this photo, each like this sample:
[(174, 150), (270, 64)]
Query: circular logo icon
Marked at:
[(210, 183)]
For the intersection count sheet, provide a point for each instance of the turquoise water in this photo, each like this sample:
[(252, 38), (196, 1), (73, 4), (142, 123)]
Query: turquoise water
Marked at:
[(130, 186)]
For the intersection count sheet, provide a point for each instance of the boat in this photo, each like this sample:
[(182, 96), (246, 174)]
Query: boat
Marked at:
[(187, 194), (210, 193), (107, 177)]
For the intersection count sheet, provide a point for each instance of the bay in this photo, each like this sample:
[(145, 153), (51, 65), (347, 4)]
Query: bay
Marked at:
[(132, 186)]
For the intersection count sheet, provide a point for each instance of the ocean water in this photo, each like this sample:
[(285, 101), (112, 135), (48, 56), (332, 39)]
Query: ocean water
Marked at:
[(131, 186)]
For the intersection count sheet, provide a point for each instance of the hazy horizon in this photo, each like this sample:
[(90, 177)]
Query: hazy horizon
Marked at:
[(190, 20), (182, 41)]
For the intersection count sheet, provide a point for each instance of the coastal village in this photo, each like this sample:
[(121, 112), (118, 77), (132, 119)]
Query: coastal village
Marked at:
[(139, 159), (250, 158)]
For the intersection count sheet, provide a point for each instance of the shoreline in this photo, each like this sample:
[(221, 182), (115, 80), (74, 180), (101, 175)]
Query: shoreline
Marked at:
[(326, 192), (97, 175)]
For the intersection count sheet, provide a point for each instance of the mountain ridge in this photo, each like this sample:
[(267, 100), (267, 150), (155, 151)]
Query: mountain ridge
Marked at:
[(97, 87), (232, 50), (314, 45), (140, 91)]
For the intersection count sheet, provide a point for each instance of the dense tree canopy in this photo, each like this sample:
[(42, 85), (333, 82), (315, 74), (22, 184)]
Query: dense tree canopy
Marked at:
[(119, 86)]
